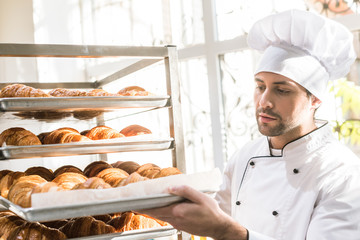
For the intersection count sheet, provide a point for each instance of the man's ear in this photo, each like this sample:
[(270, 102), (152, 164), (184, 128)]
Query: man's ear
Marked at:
[(315, 102)]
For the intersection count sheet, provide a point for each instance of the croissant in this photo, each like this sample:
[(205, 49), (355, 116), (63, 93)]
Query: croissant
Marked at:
[(92, 183), (21, 90), (99, 93), (112, 175), (134, 91), (94, 168), (67, 168), (31, 230), (63, 92), (68, 180), (128, 166), (42, 136), (47, 187), (103, 132), (116, 164), (86, 114), (64, 135), (8, 223), (20, 192), (131, 221), (46, 173), (55, 224), (7, 181), (104, 218), (164, 172), (132, 178), (134, 130), (18, 137), (146, 166), (86, 226), (4, 172)]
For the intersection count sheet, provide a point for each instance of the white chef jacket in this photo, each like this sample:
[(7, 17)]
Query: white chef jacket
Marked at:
[(311, 191)]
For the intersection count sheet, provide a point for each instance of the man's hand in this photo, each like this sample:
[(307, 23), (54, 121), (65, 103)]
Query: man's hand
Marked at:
[(199, 215)]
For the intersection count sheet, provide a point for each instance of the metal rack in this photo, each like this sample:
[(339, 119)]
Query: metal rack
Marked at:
[(141, 57)]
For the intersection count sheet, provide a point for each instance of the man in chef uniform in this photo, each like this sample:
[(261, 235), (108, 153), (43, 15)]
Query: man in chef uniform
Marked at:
[(297, 182)]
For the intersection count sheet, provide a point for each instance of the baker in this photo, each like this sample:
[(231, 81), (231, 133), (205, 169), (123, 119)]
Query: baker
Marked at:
[(297, 181)]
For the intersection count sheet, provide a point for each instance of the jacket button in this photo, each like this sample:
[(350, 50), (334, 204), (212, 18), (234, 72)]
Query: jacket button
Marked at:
[(295, 170), (275, 213), (252, 163), (238, 203)]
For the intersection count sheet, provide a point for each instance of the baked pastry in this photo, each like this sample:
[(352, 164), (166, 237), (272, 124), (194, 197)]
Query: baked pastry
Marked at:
[(47, 187), (128, 166), (113, 175), (100, 93), (131, 221), (164, 172), (20, 191), (105, 217), (4, 172), (146, 166), (64, 135), (21, 90), (8, 223), (31, 230), (63, 92), (55, 224), (116, 164), (132, 178), (86, 226), (46, 173), (42, 136), (7, 181), (134, 91), (149, 170), (67, 168), (68, 180), (86, 114), (103, 132), (135, 130), (94, 168), (18, 137), (92, 183)]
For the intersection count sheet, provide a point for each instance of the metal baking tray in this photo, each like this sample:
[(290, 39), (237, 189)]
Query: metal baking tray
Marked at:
[(81, 103), (83, 148), (52, 213)]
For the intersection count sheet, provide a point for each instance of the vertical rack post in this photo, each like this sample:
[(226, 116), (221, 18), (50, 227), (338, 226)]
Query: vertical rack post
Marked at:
[(175, 116)]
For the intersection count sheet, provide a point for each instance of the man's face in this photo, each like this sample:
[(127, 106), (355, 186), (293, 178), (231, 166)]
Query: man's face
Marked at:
[(282, 105)]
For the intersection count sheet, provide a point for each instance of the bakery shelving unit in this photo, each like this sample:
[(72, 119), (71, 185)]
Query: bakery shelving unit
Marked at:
[(141, 57)]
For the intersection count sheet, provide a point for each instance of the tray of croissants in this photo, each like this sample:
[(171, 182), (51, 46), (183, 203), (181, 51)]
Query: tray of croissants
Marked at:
[(102, 198), (59, 103), (17, 142)]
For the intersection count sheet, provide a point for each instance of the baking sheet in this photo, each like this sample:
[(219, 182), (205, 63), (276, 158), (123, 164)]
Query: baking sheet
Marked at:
[(52, 213), (136, 196), (81, 103), (81, 148)]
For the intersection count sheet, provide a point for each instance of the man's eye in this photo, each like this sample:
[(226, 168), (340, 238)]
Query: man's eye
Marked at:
[(260, 87), (283, 91)]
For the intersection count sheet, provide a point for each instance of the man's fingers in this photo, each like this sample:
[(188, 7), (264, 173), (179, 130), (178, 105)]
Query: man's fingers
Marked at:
[(188, 193)]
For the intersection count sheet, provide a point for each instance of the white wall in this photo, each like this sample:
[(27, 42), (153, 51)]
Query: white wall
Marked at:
[(16, 26)]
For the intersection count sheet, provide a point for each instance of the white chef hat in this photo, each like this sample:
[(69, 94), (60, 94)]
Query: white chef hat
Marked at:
[(303, 46)]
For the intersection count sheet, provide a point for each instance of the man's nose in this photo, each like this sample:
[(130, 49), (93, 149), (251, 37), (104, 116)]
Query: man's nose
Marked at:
[(266, 99)]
